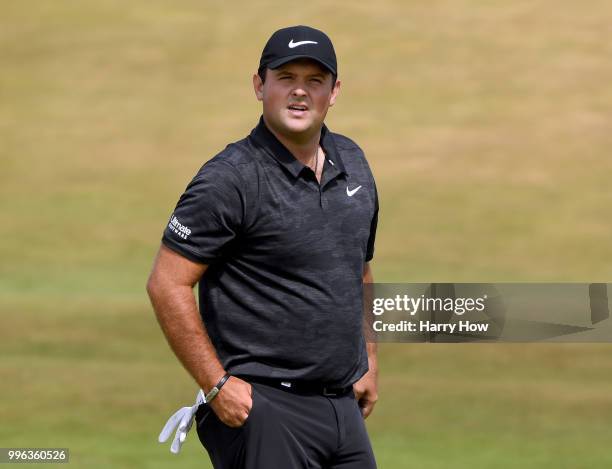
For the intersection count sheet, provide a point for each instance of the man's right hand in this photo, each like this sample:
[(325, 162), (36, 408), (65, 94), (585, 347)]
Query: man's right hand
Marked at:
[(233, 403)]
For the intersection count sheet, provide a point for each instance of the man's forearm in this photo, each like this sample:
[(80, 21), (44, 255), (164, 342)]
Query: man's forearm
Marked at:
[(178, 316), (368, 332), (372, 348), (366, 389)]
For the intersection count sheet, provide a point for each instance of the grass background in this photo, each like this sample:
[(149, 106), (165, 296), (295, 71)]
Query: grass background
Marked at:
[(487, 125)]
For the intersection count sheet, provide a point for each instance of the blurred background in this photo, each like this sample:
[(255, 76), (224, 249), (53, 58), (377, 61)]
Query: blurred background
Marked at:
[(487, 124)]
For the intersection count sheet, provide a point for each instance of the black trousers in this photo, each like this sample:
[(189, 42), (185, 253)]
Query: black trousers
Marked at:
[(285, 430)]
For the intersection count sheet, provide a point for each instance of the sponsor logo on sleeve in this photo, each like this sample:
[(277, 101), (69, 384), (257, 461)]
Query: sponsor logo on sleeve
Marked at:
[(178, 228)]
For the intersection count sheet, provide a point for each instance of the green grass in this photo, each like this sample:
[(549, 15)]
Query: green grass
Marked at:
[(486, 124)]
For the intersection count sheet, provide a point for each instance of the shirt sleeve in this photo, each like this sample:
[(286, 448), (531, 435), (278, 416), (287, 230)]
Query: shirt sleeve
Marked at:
[(209, 215), (373, 227)]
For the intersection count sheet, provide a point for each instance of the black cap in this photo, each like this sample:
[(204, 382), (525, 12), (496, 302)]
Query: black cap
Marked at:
[(297, 42)]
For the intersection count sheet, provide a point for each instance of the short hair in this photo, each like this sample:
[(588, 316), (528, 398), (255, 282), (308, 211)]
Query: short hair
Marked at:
[(261, 71)]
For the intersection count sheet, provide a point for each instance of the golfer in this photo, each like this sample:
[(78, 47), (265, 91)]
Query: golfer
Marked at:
[(277, 230)]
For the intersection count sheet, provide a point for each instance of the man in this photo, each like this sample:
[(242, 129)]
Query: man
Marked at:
[(278, 230)]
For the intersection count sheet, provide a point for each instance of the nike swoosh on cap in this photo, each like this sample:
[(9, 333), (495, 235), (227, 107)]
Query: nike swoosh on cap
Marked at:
[(299, 43), (352, 192)]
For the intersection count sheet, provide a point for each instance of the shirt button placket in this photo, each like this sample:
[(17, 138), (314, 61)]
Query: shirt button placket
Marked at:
[(322, 199)]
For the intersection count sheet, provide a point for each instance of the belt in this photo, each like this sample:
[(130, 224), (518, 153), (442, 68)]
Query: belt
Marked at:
[(299, 386)]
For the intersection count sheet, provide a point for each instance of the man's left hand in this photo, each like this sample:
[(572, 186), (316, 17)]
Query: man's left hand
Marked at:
[(366, 391)]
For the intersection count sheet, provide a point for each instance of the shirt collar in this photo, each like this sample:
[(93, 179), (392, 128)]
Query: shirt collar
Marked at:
[(262, 135)]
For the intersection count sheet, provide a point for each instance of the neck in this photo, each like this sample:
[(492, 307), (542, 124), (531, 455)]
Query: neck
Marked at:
[(302, 147)]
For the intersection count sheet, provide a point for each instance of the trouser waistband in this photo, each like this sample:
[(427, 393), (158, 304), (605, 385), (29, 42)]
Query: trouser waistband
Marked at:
[(299, 386)]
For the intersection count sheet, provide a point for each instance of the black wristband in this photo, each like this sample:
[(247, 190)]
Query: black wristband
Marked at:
[(215, 390)]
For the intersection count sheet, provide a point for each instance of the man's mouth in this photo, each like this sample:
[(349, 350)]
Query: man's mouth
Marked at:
[(298, 107)]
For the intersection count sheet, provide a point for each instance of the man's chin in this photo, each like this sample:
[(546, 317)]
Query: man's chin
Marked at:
[(298, 126), (299, 129)]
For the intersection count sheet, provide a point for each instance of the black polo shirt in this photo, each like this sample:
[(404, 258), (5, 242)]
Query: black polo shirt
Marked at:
[(282, 295)]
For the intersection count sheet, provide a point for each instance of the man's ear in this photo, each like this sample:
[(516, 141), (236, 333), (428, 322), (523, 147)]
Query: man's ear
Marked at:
[(258, 87), (334, 93)]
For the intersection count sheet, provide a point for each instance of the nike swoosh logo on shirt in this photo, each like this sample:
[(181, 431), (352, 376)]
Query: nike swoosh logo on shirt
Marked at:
[(299, 43), (352, 192)]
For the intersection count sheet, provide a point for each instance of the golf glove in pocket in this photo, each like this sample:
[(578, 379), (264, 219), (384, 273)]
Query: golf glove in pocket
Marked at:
[(182, 420)]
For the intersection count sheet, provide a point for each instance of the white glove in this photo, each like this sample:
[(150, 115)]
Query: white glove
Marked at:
[(182, 420)]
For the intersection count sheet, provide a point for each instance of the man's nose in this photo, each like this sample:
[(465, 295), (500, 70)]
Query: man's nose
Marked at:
[(298, 91)]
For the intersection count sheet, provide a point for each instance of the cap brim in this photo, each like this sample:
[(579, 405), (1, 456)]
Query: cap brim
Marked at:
[(278, 62)]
